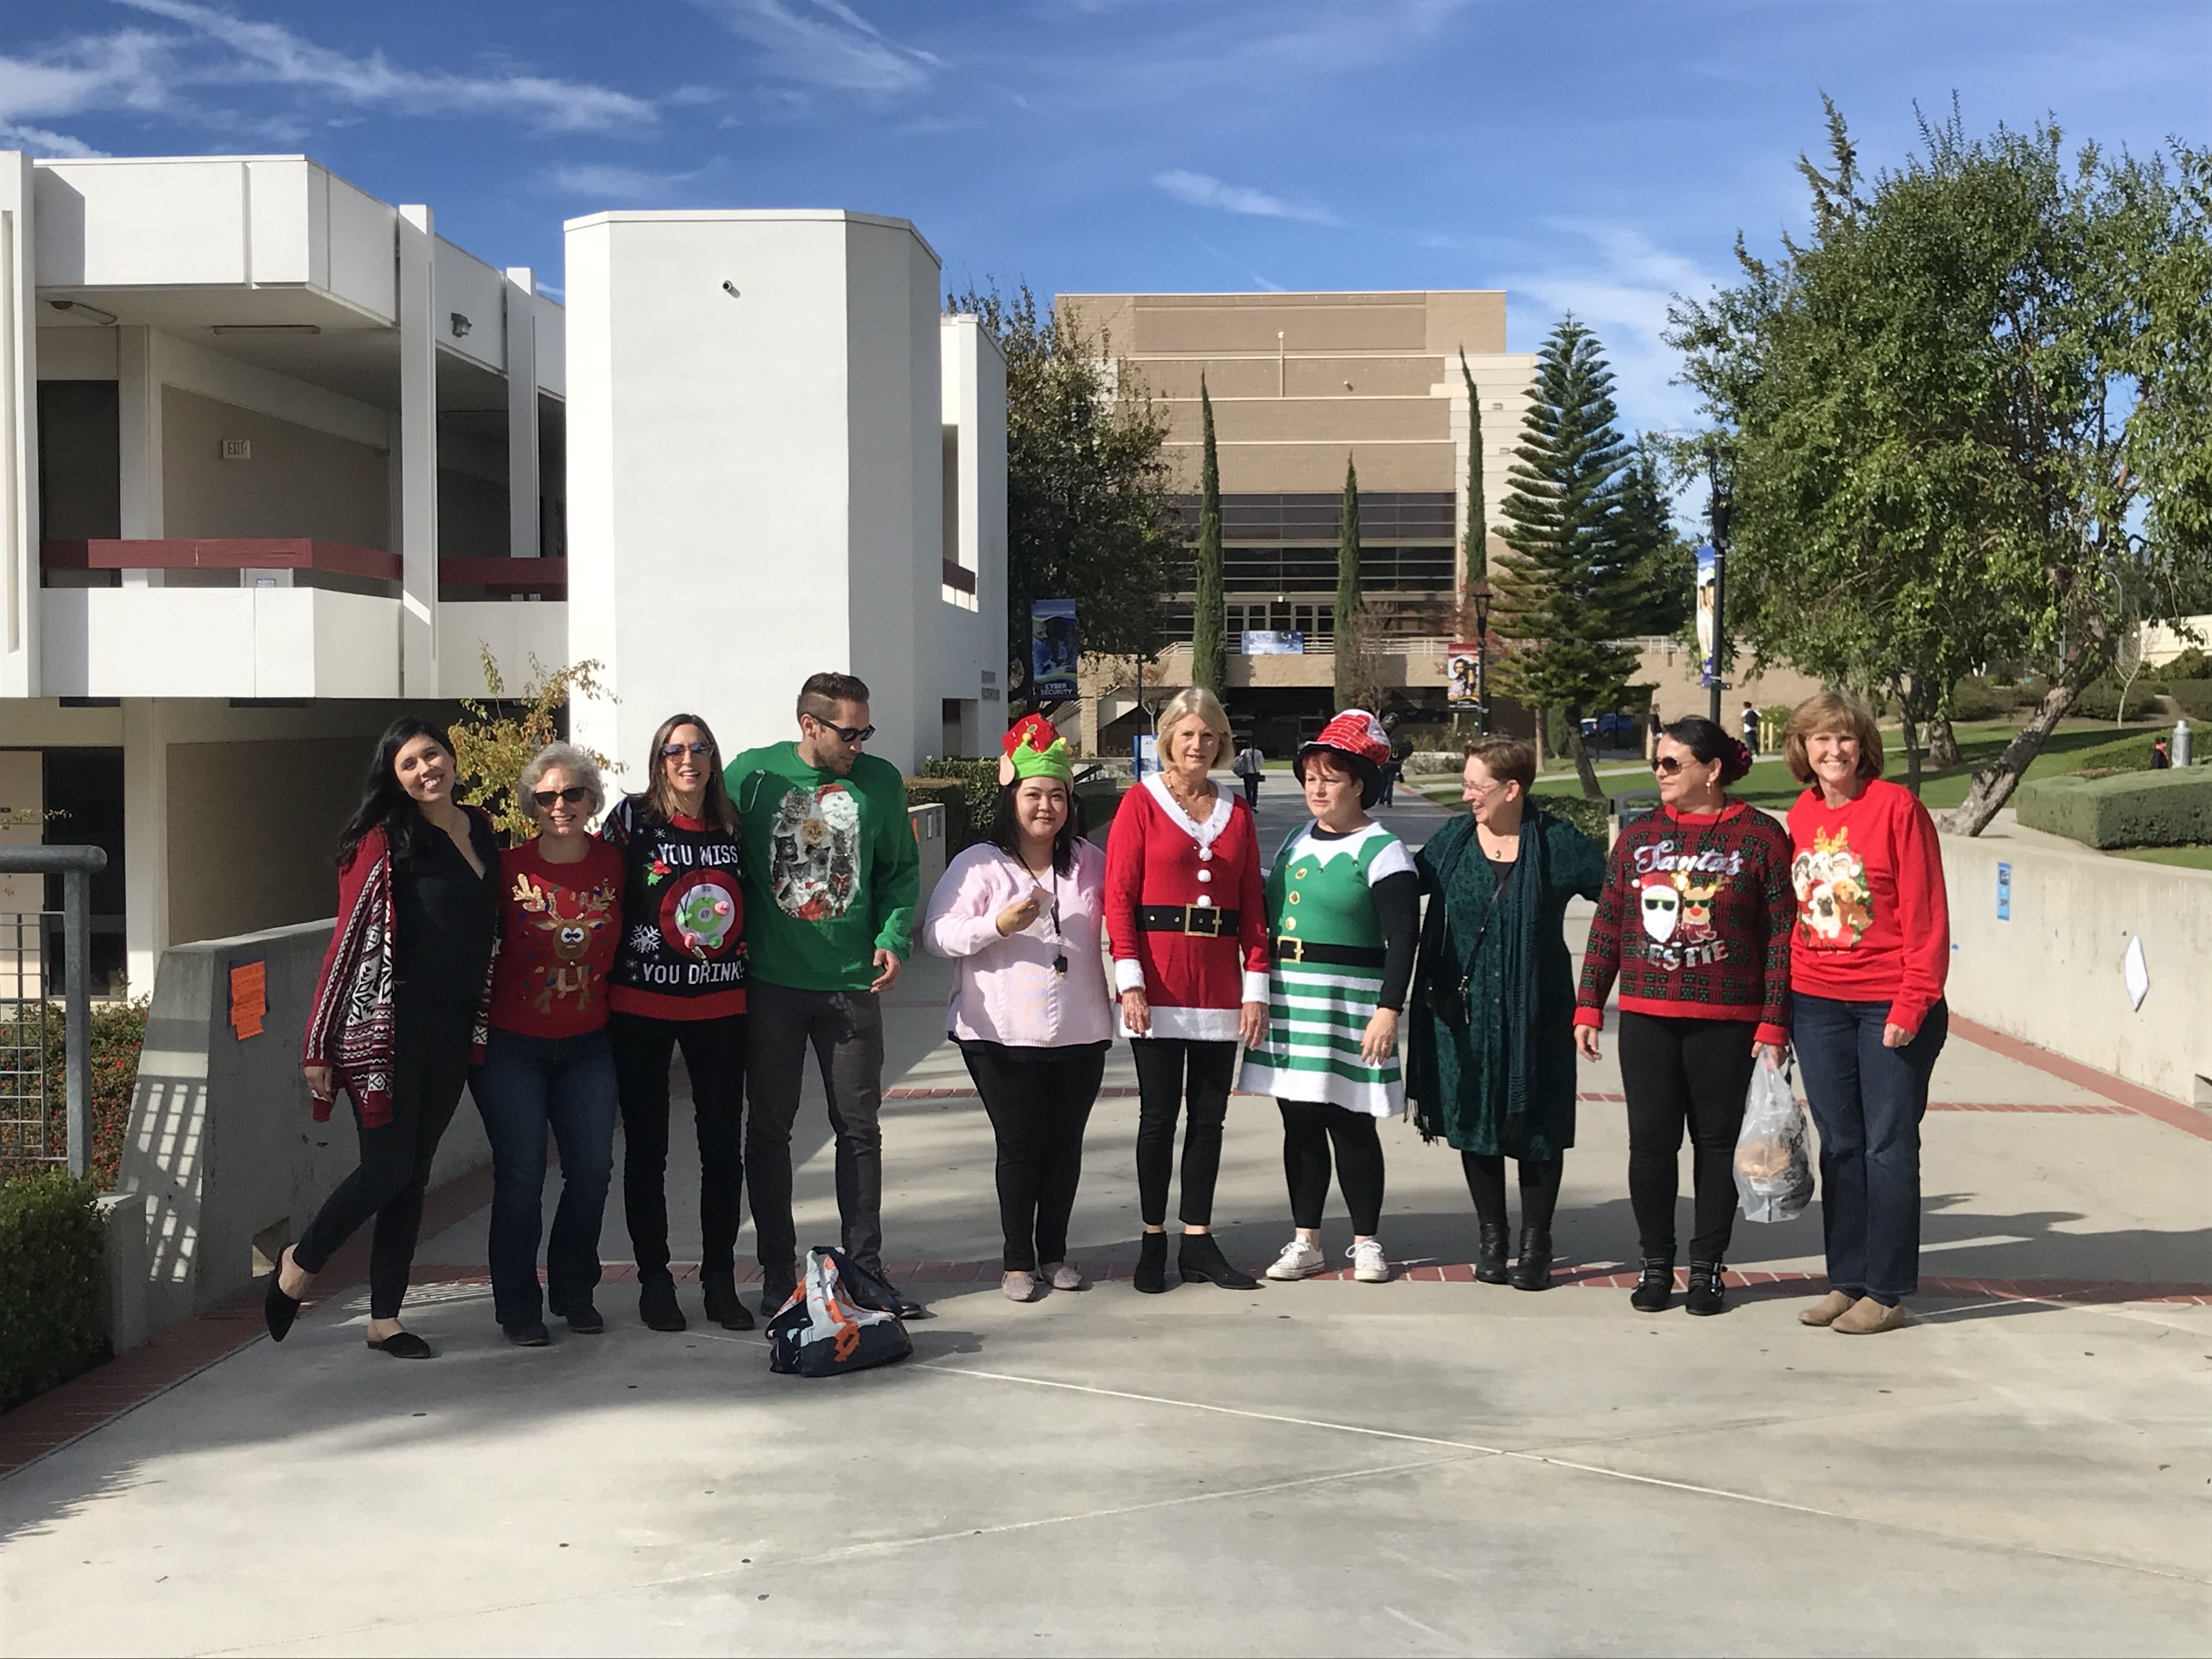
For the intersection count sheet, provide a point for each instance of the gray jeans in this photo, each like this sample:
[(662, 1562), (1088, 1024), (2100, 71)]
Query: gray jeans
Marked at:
[(846, 1031)]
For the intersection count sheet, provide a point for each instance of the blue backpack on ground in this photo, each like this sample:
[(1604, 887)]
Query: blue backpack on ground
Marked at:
[(841, 1318)]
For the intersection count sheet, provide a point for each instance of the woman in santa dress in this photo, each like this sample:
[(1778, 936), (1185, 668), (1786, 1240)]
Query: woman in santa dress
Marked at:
[(1186, 922)]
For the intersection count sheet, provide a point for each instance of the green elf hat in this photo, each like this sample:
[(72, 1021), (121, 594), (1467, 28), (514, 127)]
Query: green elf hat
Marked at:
[(1035, 749)]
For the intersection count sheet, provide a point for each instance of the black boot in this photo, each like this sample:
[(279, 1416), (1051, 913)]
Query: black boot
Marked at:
[(656, 1305), (777, 1284), (723, 1307), (1532, 1268), (1489, 1254), (1200, 1260), (1654, 1290), (1706, 1293), (1151, 1274)]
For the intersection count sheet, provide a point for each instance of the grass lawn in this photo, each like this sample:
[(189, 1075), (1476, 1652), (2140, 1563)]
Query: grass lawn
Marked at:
[(2189, 858)]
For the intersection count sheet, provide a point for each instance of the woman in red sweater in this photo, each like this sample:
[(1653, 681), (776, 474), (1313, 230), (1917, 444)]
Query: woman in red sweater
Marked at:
[(1695, 918), (1187, 924), (1866, 971), (547, 1062)]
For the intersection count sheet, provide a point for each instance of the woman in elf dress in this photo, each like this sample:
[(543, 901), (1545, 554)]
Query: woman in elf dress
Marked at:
[(1343, 917)]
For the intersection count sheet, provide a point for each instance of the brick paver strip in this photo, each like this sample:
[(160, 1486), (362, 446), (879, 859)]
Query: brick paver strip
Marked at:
[(2075, 1107), (2190, 1119)]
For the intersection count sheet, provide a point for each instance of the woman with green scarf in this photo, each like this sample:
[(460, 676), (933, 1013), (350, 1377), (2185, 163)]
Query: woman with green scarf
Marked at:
[(1491, 1065)]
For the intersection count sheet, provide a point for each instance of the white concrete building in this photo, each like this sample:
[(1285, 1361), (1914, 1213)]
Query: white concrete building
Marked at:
[(277, 461)]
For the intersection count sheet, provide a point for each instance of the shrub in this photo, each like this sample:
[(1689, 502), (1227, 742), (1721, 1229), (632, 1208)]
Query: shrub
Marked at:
[(2131, 809), (2101, 699), (2190, 665), (1586, 815), (1978, 699), (119, 1031), (2129, 754), (949, 793), (978, 779), (53, 1282), (2192, 697)]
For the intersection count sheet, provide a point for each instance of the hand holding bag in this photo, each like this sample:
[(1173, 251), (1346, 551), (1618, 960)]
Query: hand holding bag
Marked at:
[(1774, 1157)]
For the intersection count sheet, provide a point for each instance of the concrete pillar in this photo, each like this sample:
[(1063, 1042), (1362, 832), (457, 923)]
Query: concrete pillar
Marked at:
[(145, 839), (138, 432), (419, 457), (19, 434), (522, 488)]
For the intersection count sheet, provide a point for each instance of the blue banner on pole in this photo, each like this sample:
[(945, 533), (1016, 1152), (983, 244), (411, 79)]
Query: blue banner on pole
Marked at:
[(1709, 668), (1052, 650)]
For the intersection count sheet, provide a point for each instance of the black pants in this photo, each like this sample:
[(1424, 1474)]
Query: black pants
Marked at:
[(1677, 1070), (715, 1059), (429, 1065), (1039, 1101), (1162, 1064), (845, 1029), (1252, 791), (1539, 1187), (1309, 1127)]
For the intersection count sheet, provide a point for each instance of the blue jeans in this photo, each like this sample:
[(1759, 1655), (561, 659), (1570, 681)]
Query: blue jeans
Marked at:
[(1866, 1102), (525, 1084)]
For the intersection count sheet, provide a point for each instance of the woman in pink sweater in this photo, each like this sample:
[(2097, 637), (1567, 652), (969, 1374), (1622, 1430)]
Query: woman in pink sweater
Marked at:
[(1021, 911)]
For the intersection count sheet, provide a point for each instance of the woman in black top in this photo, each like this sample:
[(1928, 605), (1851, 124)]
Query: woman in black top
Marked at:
[(405, 1065)]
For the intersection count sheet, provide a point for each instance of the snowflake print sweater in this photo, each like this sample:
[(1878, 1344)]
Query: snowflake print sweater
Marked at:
[(1873, 922), (682, 950), (1695, 919)]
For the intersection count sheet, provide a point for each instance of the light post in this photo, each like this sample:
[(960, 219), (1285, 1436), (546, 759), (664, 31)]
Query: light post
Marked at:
[(1482, 597), (1719, 502)]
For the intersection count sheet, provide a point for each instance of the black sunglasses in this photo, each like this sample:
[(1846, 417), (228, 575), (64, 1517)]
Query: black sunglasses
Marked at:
[(671, 751), (849, 733), (575, 794)]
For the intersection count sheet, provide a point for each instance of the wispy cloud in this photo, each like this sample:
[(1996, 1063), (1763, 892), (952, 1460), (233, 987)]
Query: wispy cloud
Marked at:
[(825, 43), (147, 70), (614, 185), (40, 143), (1202, 189)]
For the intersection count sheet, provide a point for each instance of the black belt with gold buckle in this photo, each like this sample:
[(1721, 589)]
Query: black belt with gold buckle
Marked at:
[(1328, 956), (1198, 921)]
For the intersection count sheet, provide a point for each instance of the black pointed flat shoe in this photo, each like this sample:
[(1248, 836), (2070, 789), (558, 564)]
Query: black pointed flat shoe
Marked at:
[(403, 1344), (278, 1308)]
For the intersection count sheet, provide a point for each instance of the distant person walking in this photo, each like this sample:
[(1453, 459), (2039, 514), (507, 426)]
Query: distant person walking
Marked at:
[(1344, 912), (1188, 925), (399, 1012), (2162, 757), (832, 881), (1867, 966), (1022, 913), (1695, 922), (678, 982), (1251, 766), (548, 1063), (1749, 721), (1491, 1065)]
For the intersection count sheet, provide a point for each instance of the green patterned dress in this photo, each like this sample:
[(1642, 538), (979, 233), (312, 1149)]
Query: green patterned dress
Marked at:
[(1319, 894)]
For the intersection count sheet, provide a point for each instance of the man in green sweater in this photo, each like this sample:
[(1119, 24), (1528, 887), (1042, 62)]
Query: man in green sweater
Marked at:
[(832, 881)]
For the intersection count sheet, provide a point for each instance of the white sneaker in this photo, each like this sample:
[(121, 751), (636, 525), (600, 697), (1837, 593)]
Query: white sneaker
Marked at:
[(1369, 1265), (1299, 1259)]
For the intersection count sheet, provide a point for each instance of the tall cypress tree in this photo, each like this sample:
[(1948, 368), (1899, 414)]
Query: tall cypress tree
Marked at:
[(1476, 555), (1567, 590), (1350, 625), (1209, 625)]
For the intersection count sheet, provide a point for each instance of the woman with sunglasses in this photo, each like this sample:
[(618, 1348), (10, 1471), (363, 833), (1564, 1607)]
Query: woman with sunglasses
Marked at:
[(547, 1063), (1694, 922), (679, 982)]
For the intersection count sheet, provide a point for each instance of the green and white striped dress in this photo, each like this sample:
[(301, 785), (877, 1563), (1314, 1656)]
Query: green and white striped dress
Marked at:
[(1320, 892)]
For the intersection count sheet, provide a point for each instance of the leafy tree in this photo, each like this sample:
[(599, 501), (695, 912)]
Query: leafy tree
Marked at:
[(1567, 590), (1209, 622), (1966, 420), (1350, 626), (1474, 554), (1090, 503), (495, 739)]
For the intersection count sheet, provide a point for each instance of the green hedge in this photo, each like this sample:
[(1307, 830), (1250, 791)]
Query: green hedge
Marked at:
[(979, 781), (119, 1031), (2129, 808), (2128, 754), (2194, 697), (1586, 815), (53, 1283)]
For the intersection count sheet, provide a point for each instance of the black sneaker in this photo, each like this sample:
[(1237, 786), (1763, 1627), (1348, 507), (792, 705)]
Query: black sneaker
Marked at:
[(529, 1333), (656, 1305), (1706, 1294)]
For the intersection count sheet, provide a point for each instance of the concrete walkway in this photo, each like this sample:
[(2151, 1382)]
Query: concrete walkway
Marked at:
[(1325, 1468)]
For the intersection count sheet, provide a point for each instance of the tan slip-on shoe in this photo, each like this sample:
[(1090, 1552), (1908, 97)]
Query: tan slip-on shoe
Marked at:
[(1828, 1309), (1020, 1287), (1867, 1317)]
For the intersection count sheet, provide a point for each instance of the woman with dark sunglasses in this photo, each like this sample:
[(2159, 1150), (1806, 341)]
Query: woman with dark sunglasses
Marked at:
[(1694, 921), (679, 982), (547, 1062)]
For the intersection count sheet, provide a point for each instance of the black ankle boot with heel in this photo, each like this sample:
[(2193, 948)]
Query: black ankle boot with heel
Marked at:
[(1151, 1274), (1489, 1254), (1706, 1294), (1199, 1262), (1532, 1268), (1654, 1287)]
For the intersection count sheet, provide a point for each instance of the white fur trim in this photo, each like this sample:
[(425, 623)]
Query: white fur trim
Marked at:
[(1203, 834)]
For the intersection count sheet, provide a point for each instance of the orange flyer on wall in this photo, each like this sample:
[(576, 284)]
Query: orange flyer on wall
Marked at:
[(249, 998)]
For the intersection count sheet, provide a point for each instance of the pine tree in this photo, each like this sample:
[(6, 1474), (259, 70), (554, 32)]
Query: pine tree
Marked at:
[(1665, 566), (1209, 626), (1566, 591), (1350, 641), (1476, 555)]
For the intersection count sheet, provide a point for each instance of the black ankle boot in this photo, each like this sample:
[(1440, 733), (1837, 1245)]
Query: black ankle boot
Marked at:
[(1706, 1294), (1200, 1260), (723, 1307), (1151, 1274), (1532, 1268), (1489, 1254), (1654, 1290), (656, 1305)]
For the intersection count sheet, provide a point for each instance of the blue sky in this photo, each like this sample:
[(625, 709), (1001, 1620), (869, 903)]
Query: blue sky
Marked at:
[(1591, 157)]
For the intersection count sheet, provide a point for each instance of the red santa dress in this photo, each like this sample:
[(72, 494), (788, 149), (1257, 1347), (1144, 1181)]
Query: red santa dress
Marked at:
[(1186, 916)]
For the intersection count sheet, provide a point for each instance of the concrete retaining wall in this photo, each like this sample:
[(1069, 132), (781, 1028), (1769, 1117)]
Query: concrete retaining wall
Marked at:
[(2052, 973), (222, 1156)]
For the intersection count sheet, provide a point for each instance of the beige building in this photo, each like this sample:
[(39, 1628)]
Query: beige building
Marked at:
[(1300, 384)]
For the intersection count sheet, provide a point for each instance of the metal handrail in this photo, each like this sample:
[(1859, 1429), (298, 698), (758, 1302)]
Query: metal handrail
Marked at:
[(76, 866)]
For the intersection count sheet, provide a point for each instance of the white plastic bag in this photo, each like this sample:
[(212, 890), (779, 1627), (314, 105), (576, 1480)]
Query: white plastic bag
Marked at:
[(1773, 1157)]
